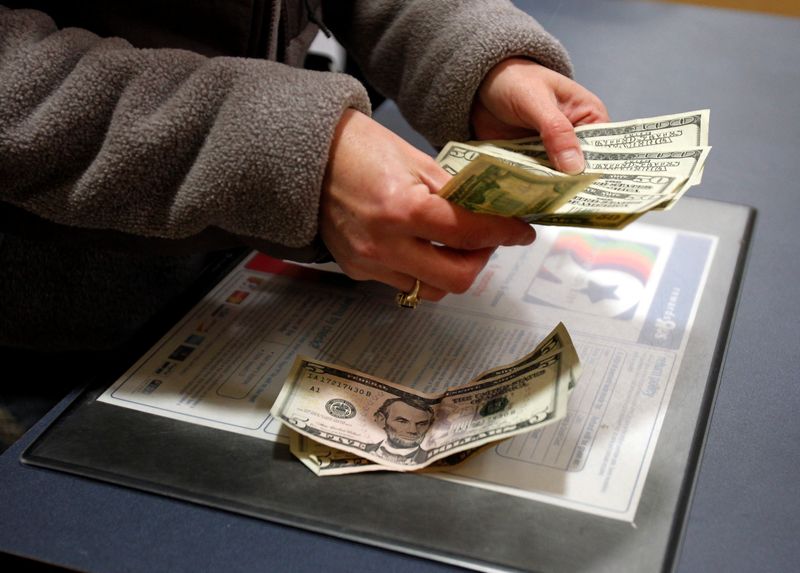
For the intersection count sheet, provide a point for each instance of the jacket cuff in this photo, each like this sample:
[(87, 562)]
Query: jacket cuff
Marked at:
[(440, 92)]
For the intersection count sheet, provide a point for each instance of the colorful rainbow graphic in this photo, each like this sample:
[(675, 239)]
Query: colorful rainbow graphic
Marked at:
[(593, 252), (594, 274)]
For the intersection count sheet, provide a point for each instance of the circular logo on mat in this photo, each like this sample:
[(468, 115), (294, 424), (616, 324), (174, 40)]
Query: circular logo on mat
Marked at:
[(339, 408)]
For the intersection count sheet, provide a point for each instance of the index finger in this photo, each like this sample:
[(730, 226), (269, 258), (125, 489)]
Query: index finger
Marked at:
[(434, 218)]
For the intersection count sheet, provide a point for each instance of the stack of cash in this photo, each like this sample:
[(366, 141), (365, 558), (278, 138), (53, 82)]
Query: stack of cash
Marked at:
[(632, 167), (344, 421)]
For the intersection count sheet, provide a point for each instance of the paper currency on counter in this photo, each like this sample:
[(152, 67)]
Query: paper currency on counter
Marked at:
[(403, 429), (639, 166), (324, 460)]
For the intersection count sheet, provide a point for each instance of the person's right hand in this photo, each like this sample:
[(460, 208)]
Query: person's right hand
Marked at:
[(381, 217)]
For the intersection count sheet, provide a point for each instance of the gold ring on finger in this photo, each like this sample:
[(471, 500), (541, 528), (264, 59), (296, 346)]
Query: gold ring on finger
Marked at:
[(409, 299)]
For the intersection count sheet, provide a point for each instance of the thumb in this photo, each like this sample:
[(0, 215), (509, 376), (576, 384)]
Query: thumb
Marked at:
[(560, 141)]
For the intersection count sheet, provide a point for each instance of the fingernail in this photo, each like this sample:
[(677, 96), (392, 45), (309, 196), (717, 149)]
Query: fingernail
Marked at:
[(571, 161)]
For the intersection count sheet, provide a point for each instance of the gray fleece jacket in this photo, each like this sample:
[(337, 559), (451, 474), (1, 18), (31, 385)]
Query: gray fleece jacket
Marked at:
[(125, 156)]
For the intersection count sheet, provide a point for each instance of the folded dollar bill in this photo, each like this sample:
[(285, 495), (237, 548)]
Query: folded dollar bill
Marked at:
[(357, 421), (324, 460)]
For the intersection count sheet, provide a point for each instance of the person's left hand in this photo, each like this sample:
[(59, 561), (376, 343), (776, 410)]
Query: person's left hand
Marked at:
[(519, 96)]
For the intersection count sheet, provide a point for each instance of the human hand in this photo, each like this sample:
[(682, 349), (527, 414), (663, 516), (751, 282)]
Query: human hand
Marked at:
[(381, 218), (519, 95)]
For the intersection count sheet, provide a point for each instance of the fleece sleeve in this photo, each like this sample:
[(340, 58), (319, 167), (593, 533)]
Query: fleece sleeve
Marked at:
[(430, 56), (164, 143)]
